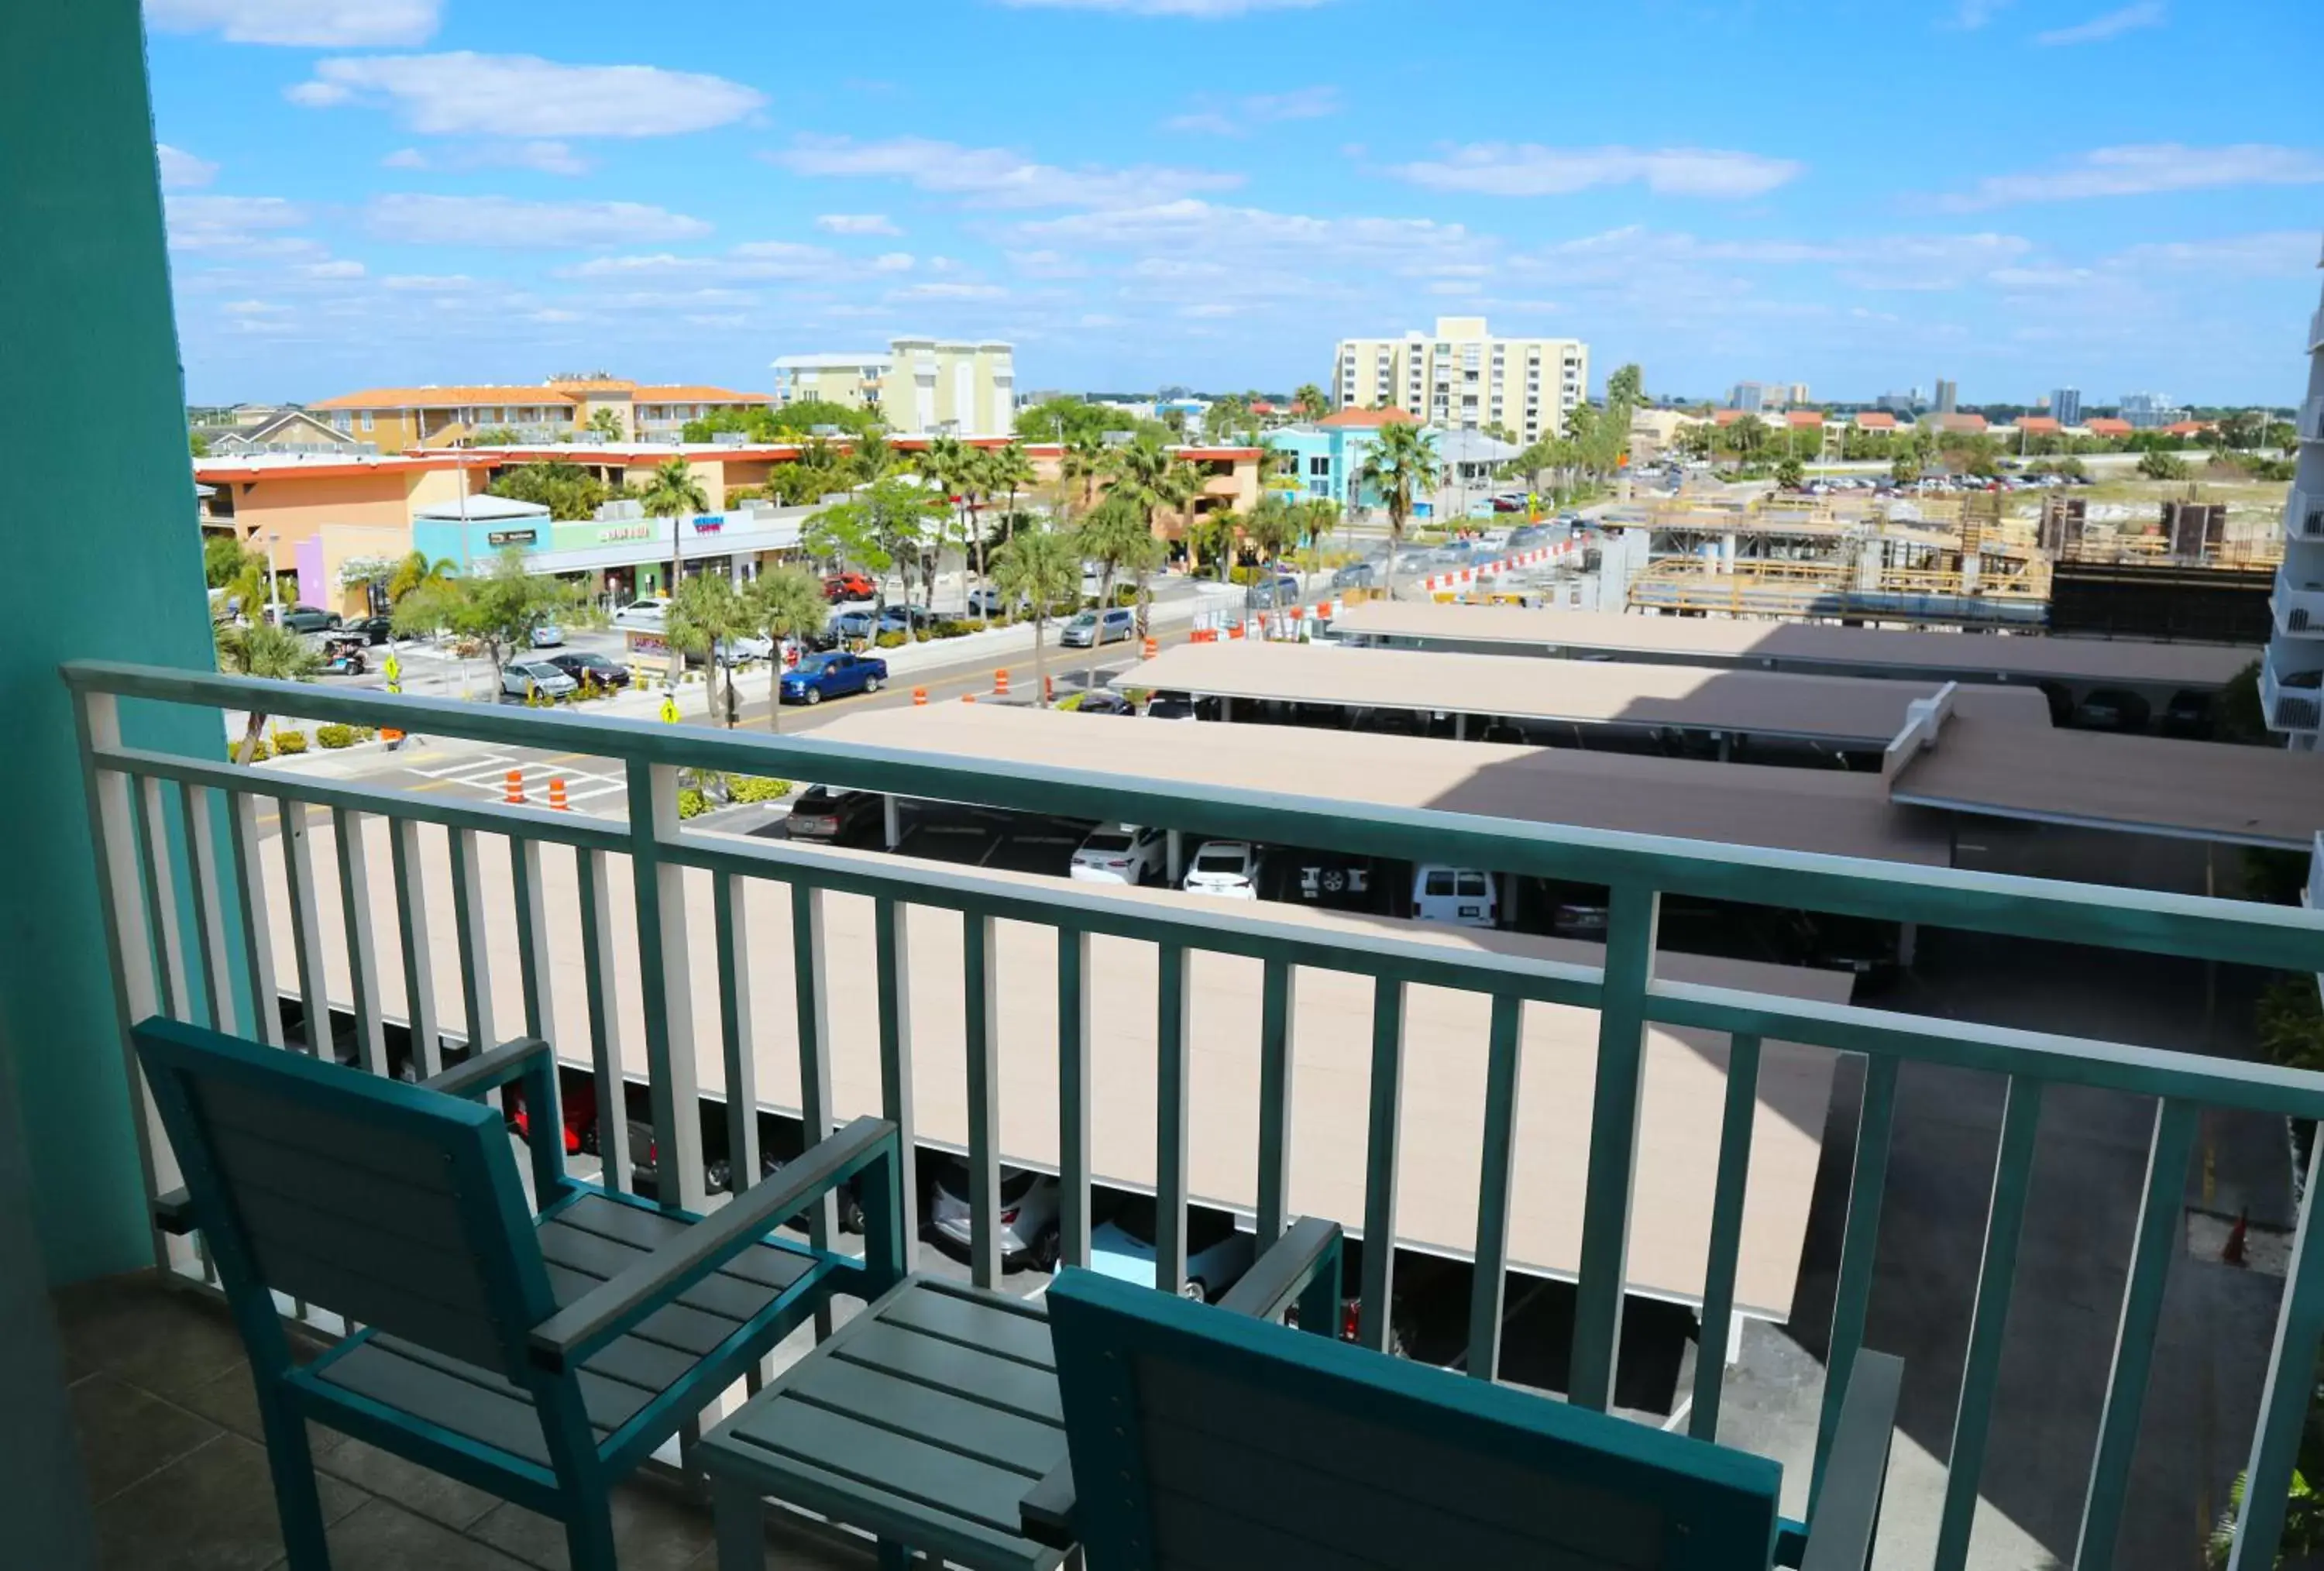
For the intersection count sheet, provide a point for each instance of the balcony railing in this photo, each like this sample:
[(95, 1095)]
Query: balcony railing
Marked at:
[(2294, 699), (2311, 419), (2303, 516), (2315, 330), (187, 920), (2299, 611)]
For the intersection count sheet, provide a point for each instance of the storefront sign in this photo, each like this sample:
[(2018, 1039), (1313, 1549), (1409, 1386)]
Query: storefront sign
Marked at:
[(511, 537), (709, 522), (614, 533)]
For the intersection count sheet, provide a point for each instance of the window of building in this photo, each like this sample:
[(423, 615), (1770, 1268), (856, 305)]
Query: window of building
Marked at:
[(1322, 467), (366, 420)]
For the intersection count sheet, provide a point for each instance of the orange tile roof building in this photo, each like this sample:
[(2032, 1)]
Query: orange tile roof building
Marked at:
[(396, 418), (2107, 426), (1874, 420)]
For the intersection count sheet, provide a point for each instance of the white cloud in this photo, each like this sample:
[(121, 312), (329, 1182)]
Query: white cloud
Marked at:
[(505, 221), (2143, 169), (893, 262), (306, 23), (1973, 14), (253, 307), (1192, 227), (339, 267), (427, 283), (857, 224), (545, 157), (948, 292), (2275, 253), (465, 94), (551, 314), (1206, 10), (755, 260), (1528, 169), (1233, 117), (994, 176), (2097, 29), (181, 171), (1047, 264), (229, 222)]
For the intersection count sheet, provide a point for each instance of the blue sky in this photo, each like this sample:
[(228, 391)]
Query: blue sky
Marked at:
[(2017, 194)]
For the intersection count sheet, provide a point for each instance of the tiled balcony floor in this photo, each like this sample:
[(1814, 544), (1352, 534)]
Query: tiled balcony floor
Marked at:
[(177, 1473)]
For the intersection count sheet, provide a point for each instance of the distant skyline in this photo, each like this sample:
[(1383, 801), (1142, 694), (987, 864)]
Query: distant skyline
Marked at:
[(2018, 194)]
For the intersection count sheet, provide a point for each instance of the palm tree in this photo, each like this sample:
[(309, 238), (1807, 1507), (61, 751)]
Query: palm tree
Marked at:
[(1043, 567), (1086, 457), (949, 465), (417, 571), (1212, 536), (1321, 516), (1310, 400), (784, 603), (263, 649), (1400, 463), (705, 615), (606, 424), (1110, 536), (1276, 522), (672, 490)]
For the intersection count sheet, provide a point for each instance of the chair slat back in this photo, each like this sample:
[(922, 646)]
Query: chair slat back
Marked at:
[(1204, 1438), (391, 1206)]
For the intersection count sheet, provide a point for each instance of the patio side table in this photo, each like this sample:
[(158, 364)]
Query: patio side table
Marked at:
[(925, 1419)]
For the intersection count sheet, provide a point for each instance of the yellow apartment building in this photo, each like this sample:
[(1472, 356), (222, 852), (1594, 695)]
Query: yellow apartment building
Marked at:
[(399, 418), (919, 387), (1464, 378)]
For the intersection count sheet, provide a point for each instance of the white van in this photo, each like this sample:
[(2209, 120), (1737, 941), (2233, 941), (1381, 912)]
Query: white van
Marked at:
[(1462, 896)]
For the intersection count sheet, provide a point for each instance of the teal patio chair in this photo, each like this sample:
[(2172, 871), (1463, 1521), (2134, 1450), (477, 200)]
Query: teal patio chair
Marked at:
[(538, 1356), (1204, 1438)]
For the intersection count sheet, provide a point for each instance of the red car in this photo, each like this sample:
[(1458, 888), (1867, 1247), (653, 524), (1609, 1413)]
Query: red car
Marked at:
[(848, 587)]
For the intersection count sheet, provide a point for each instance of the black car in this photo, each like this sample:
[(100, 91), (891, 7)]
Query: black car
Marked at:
[(2112, 709), (310, 619), (373, 629), (2191, 714), (591, 667), (1104, 701), (823, 813)]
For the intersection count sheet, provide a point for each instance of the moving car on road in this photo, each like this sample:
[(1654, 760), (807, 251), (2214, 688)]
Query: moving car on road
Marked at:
[(1091, 628), (833, 675)]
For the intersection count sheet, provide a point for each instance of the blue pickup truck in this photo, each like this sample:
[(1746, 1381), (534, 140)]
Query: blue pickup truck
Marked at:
[(833, 675)]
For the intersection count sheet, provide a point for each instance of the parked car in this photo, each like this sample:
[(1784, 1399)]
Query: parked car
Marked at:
[(1171, 706), (1218, 1253), (1124, 854), (835, 813), (373, 629), (651, 614), (841, 587), (1026, 1217), (833, 675), (854, 624), (718, 1176), (745, 646), (309, 619), (1355, 576), (2191, 714), (1104, 701), (1461, 896), (2112, 709), (1091, 628), (986, 601), (1332, 879), (548, 635), (524, 678), (604, 672), (1226, 868), (906, 619), (1270, 593)]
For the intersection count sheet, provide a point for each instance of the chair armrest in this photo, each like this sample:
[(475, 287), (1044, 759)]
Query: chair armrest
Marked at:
[(1300, 1267), (488, 1070), (1846, 1511), (173, 1214), (607, 1311), (1292, 1264)]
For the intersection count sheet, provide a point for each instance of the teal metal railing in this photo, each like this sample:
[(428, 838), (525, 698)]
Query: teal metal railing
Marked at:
[(173, 903)]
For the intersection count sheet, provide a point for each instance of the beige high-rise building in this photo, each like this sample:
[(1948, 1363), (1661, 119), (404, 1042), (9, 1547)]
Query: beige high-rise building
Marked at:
[(921, 386), (1464, 378)]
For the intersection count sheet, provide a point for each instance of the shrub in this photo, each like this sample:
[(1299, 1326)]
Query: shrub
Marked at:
[(890, 641), (756, 787), (259, 753), (1125, 594), (336, 737), (692, 803), (287, 743), (949, 628)]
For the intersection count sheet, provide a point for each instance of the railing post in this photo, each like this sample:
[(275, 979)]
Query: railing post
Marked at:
[(892, 971), (1631, 917), (811, 990), (531, 938), (354, 913), (469, 929), (257, 921), (598, 964), (1860, 1245), (1072, 1096), (1278, 1008), (1384, 1121), (2291, 1385), (666, 980), (1485, 1292), (1172, 998), (980, 976), (306, 928), (412, 929), (160, 886), (1726, 1195), (209, 914)]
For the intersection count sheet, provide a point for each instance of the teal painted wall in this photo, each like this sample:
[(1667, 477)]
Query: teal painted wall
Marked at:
[(85, 318)]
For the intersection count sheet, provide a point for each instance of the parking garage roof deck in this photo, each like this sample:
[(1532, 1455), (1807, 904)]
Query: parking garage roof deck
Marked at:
[(1837, 812), (1703, 639), (1842, 711)]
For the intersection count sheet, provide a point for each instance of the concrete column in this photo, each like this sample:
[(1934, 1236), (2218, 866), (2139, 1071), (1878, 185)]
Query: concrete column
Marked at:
[(1908, 942), (1175, 856), (892, 815), (1460, 727), (85, 317), (1226, 707)]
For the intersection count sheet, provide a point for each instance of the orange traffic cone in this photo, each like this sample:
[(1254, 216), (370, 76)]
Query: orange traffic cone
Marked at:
[(1000, 683), (1153, 647), (2233, 1253), (557, 803), (919, 697), (1050, 689), (968, 697), (515, 798)]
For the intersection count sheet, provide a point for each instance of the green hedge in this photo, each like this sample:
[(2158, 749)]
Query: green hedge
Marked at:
[(259, 753), (336, 736), (287, 743), (756, 787), (692, 803), (891, 641)]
